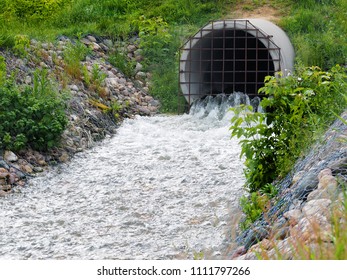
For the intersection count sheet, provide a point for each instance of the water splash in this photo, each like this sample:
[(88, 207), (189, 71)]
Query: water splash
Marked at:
[(163, 187), (219, 106)]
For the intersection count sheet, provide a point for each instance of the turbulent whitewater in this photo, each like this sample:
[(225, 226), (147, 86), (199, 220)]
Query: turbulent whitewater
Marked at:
[(163, 187)]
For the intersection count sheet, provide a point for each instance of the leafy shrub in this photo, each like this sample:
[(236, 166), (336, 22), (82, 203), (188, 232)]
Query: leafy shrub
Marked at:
[(33, 9), (155, 38), (296, 108), (253, 206), (32, 117), (21, 43)]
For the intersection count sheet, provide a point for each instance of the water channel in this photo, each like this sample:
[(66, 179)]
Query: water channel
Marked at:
[(163, 187)]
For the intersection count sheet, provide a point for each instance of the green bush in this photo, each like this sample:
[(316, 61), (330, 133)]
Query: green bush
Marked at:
[(253, 206), (32, 117), (297, 107), (32, 9)]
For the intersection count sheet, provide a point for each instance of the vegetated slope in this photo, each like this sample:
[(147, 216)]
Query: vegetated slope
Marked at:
[(314, 27), (58, 99), (155, 30), (158, 27), (317, 28)]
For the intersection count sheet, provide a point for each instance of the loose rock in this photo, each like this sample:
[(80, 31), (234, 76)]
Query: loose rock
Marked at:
[(10, 156)]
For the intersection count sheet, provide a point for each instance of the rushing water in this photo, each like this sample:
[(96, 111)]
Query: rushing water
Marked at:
[(163, 187)]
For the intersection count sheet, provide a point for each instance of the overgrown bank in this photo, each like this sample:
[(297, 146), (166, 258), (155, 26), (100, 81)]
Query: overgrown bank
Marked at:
[(298, 109), (61, 89), (306, 219), (58, 99)]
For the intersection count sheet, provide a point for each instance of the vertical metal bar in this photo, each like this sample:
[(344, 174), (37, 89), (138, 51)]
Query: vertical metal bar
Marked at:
[(234, 56), (223, 69), (256, 61), (279, 62), (246, 39), (190, 69), (212, 45), (201, 78), (268, 55)]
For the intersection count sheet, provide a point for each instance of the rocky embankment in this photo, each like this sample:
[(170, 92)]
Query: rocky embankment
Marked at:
[(90, 112), (299, 223)]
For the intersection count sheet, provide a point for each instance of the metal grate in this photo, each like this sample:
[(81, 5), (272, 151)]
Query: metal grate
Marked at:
[(228, 59)]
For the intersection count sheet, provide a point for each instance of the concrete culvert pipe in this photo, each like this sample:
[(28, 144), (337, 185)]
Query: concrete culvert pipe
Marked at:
[(233, 56)]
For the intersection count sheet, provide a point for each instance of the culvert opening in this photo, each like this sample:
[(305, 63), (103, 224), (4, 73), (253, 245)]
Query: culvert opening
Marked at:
[(232, 56)]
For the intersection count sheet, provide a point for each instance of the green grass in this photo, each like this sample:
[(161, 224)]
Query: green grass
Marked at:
[(161, 25), (317, 29)]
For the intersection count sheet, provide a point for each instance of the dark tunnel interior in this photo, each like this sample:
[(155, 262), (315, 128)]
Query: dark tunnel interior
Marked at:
[(228, 60)]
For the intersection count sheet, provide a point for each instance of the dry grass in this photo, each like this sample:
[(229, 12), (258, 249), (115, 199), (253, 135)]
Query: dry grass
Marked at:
[(317, 242), (252, 9)]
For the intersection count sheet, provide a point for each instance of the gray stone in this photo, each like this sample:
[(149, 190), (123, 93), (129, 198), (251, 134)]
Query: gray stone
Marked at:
[(96, 47), (73, 87), (297, 177), (27, 80), (86, 41), (104, 47), (38, 169), (139, 58), (282, 233), (326, 171), (20, 174), (144, 110), (91, 38), (255, 235), (131, 48), (140, 75), (306, 185), (43, 65), (279, 224), (327, 181), (138, 67), (241, 250), (293, 216), (154, 103), (111, 82), (316, 207), (108, 43), (338, 163), (122, 81), (3, 164), (10, 156), (2, 193)]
